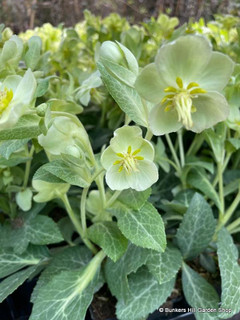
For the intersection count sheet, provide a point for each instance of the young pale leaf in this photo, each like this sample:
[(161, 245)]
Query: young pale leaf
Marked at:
[(68, 259), (145, 295), (126, 97), (11, 262), (143, 227), (32, 55), (164, 266), (24, 199), (199, 294), (107, 236), (10, 284), (26, 128), (199, 181), (230, 273), (64, 172), (10, 146), (65, 297), (197, 228), (130, 262)]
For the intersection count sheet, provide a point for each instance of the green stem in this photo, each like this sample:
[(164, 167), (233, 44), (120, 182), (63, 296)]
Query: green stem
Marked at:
[(76, 223), (181, 148), (170, 162), (221, 192), (171, 147), (235, 230), (233, 225), (148, 135), (101, 188), (28, 167), (196, 144), (113, 198), (83, 211)]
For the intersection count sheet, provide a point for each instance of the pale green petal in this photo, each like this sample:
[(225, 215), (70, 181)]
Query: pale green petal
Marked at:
[(217, 72), (147, 150), (145, 177), (126, 136), (48, 191), (162, 122), (185, 57), (117, 180), (11, 83), (212, 107), (108, 158), (26, 89), (150, 85)]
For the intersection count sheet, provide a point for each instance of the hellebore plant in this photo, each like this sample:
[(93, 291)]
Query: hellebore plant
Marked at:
[(91, 196)]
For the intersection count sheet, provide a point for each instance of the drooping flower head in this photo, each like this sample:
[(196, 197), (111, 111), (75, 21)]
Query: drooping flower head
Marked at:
[(129, 160), (16, 94), (184, 82)]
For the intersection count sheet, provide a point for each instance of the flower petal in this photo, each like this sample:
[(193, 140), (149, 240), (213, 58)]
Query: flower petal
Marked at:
[(126, 136), (150, 84), (11, 82), (162, 122), (117, 180), (147, 150), (217, 72), (185, 57), (145, 177), (26, 89), (108, 157), (212, 108)]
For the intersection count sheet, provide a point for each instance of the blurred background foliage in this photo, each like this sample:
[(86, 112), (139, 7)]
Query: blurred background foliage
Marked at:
[(27, 14)]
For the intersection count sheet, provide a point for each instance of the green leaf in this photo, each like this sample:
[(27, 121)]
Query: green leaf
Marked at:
[(143, 227), (32, 55), (14, 160), (24, 199), (230, 273), (26, 128), (65, 172), (126, 97), (235, 143), (199, 294), (10, 146), (134, 199), (29, 227), (44, 175), (11, 262), (145, 296), (116, 273), (10, 284), (197, 228), (201, 182), (216, 140), (71, 258), (164, 266), (42, 87), (196, 162), (66, 296)]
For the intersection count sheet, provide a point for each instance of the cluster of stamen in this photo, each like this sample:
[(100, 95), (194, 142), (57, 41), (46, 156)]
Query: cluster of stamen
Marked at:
[(180, 99), (5, 98), (128, 160)]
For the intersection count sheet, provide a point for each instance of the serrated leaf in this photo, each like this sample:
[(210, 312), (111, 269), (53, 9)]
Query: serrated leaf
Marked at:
[(10, 284), (66, 296), (29, 227), (65, 172), (26, 128), (70, 258), (199, 181), (134, 199), (11, 262), (10, 146), (42, 174), (130, 262), (145, 296), (196, 162), (107, 236), (32, 55), (199, 294), (126, 97), (164, 266), (230, 273), (143, 227), (197, 228)]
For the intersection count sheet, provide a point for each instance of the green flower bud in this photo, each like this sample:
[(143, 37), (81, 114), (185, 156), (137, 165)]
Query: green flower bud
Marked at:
[(110, 51), (41, 109), (7, 33)]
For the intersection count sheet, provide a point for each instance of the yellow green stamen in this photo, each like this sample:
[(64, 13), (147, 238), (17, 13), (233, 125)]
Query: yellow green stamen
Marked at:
[(5, 99), (129, 160), (180, 99)]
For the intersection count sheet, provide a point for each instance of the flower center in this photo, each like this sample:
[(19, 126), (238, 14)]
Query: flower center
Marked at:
[(180, 99), (128, 160), (5, 98)]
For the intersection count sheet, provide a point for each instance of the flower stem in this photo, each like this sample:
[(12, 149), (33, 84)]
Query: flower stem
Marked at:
[(221, 193), (181, 148), (28, 166), (233, 225), (171, 147), (113, 198), (83, 211)]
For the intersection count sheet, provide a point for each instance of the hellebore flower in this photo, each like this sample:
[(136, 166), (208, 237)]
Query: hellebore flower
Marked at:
[(48, 191), (129, 160), (16, 94), (184, 82)]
